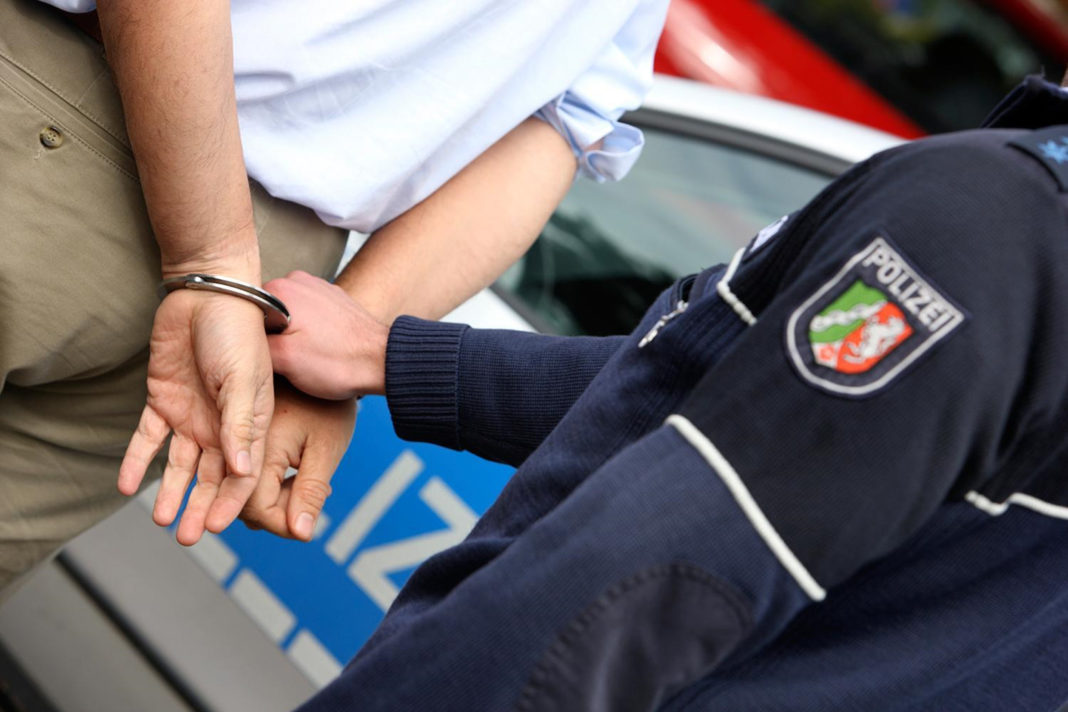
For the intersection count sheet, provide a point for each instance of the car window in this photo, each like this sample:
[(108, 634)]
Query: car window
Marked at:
[(945, 63), (610, 249)]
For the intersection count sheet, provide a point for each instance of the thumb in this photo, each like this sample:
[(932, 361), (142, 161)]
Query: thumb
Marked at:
[(311, 487), (246, 405)]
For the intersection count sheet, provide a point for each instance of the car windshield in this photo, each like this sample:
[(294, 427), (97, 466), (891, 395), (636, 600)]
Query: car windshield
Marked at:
[(610, 249), (945, 63)]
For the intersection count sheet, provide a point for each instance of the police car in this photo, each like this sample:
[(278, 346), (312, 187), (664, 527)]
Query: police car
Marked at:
[(899, 65), (125, 619)]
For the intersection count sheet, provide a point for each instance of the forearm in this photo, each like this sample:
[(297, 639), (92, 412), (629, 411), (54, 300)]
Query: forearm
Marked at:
[(496, 393), (173, 64), (458, 240)]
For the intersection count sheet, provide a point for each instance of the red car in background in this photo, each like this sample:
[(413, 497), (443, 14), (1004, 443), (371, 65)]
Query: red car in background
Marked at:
[(904, 66)]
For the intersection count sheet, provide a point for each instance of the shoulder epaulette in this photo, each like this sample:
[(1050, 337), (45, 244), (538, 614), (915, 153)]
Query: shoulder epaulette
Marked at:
[(1050, 147)]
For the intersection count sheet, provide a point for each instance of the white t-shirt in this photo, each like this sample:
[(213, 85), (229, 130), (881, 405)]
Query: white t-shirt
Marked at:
[(361, 109)]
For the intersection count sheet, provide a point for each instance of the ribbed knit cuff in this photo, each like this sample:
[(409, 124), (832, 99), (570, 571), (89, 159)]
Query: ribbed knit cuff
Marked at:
[(421, 380)]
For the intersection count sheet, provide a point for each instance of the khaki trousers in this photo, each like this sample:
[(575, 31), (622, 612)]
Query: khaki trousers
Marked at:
[(78, 275)]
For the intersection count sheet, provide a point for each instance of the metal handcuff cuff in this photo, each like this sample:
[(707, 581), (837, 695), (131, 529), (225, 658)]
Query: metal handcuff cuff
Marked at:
[(275, 314)]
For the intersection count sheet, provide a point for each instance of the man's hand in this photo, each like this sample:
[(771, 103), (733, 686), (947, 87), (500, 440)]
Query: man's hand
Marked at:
[(174, 67), (312, 436), (333, 347), (209, 381)]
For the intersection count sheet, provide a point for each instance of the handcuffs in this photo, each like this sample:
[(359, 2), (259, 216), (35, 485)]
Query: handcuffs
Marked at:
[(275, 314)]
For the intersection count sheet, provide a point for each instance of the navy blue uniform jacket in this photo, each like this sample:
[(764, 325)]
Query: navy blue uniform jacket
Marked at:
[(836, 479)]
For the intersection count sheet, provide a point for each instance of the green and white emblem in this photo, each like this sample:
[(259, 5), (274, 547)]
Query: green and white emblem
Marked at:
[(868, 323)]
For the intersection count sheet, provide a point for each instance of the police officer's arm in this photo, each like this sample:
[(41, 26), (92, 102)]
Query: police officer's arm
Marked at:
[(425, 262), (908, 349), (498, 396), (209, 369), (496, 393), (907, 344), (918, 329)]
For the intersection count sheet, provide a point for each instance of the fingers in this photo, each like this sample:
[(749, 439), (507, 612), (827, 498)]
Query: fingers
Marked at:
[(289, 507), (246, 408), (230, 499), (238, 435), (145, 444), (236, 488), (211, 474), (222, 490), (182, 461), (262, 511), (312, 436), (310, 488), (238, 364), (296, 502), (293, 284)]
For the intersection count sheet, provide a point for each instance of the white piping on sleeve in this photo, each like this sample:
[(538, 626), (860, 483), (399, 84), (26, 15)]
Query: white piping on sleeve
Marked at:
[(1026, 501), (749, 506), (723, 289)]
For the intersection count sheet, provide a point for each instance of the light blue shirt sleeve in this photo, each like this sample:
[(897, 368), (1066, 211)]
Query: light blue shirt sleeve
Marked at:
[(587, 114)]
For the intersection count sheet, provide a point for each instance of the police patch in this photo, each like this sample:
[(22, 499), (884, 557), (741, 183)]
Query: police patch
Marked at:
[(867, 324)]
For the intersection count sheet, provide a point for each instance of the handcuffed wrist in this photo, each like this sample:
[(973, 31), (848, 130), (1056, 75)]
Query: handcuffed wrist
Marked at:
[(240, 261), (275, 313)]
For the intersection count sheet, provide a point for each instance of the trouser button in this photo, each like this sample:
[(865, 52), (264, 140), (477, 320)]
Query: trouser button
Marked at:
[(51, 137)]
